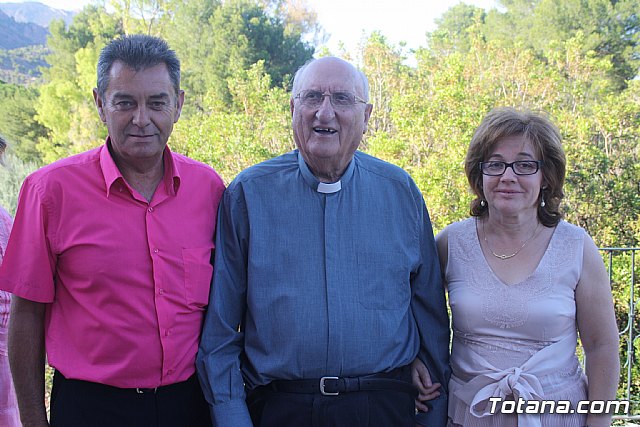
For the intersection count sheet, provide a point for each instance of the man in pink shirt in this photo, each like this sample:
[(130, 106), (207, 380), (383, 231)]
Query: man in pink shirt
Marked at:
[(109, 261)]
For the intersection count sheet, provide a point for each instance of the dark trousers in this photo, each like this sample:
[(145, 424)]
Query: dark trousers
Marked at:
[(384, 408), (77, 403)]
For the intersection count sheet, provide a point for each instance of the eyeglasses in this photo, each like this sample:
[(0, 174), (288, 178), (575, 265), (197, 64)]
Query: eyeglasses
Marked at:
[(520, 167), (315, 98)]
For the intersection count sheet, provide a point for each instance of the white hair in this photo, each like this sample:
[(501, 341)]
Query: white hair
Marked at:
[(295, 89)]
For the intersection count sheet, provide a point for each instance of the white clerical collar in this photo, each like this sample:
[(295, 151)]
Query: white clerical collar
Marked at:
[(324, 187)]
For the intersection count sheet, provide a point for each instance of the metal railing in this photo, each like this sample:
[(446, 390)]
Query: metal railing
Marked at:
[(621, 265)]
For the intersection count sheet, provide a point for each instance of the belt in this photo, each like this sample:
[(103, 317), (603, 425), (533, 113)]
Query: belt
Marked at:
[(89, 385), (164, 388), (147, 390), (333, 386)]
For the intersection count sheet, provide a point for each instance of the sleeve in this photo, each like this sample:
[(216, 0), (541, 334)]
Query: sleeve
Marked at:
[(430, 312), (28, 267), (6, 222), (222, 342)]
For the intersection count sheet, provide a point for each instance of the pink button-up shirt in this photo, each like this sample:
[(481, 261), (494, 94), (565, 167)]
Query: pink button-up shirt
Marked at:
[(126, 280)]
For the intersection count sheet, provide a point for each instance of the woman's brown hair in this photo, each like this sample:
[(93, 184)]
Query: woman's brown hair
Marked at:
[(545, 138)]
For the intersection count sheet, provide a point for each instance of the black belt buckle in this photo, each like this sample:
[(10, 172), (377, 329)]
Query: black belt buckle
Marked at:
[(322, 386)]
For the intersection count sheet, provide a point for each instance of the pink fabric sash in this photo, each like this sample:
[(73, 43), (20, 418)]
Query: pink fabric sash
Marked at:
[(521, 382)]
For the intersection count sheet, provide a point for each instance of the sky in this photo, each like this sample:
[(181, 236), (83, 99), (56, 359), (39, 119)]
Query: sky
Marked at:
[(347, 20)]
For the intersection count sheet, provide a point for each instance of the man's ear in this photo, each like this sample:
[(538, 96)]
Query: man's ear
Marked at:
[(179, 104), (367, 114), (99, 105)]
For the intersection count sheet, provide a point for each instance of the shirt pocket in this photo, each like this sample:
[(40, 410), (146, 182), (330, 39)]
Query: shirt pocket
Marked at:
[(383, 281), (197, 275)]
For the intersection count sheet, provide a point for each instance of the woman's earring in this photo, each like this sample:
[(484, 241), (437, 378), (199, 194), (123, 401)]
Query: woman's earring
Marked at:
[(483, 203), (542, 203)]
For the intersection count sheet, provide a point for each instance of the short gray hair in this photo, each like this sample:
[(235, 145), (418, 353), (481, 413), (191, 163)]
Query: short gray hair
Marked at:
[(139, 52), (295, 88)]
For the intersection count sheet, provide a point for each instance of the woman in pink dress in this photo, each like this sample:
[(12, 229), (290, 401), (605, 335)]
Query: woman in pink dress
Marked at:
[(523, 285), (9, 416)]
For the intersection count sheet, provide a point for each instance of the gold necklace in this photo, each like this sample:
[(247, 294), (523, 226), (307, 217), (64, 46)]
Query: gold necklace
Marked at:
[(504, 256)]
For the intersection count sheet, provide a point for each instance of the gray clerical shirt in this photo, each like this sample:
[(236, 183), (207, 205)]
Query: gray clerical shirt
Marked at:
[(316, 279)]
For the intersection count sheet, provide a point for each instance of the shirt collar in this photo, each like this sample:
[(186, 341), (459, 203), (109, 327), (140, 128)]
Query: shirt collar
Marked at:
[(323, 187), (111, 173)]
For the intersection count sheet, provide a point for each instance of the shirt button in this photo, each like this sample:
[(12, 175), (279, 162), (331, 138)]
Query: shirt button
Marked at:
[(150, 209), (167, 332), (160, 291), (170, 371), (155, 250)]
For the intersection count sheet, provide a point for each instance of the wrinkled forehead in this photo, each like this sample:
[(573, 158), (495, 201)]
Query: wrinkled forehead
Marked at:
[(331, 75)]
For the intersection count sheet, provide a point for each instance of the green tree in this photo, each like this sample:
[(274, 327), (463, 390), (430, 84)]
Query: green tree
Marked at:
[(611, 29), (429, 119), (453, 29), (298, 17), (256, 127), (386, 73), (194, 50), (232, 36), (18, 124), (144, 16), (65, 106), (243, 34)]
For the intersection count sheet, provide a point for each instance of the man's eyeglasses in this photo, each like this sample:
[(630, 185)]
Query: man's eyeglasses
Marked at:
[(520, 167), (315, 98)]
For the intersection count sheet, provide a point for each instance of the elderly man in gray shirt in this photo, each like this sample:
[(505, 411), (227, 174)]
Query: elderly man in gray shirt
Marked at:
[(326, 283)]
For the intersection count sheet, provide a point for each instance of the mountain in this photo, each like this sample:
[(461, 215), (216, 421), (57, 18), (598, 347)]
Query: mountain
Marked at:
[(20, 34), (35, 13), (22, 66), (23, 38)]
